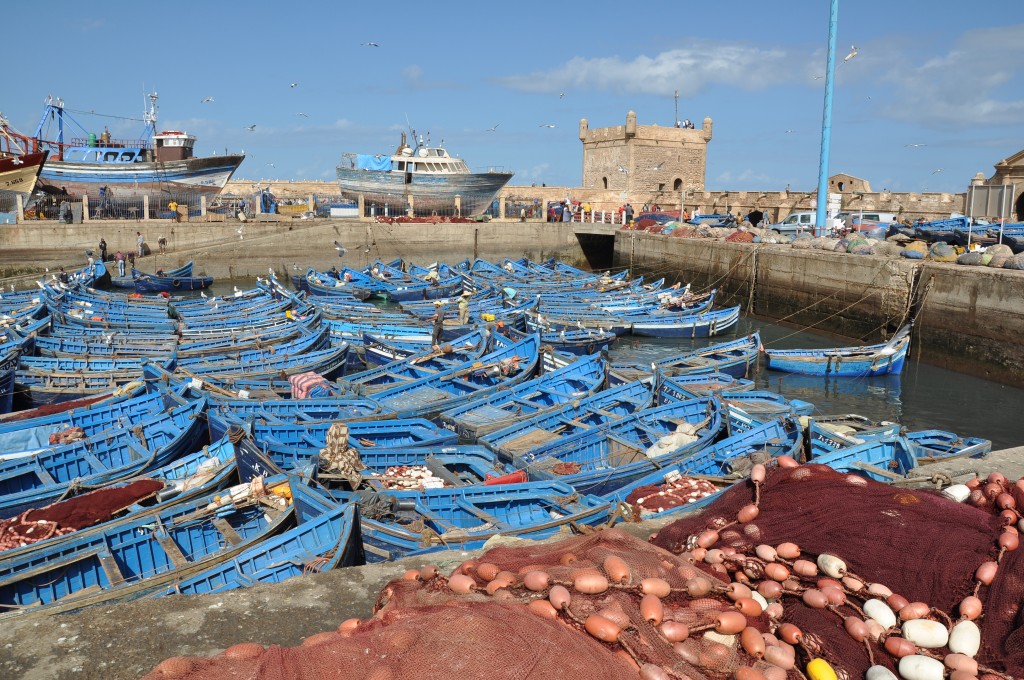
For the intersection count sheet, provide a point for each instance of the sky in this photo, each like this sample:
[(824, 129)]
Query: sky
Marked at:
[(933, 95)]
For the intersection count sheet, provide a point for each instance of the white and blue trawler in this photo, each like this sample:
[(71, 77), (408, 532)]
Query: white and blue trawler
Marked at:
[(158, 165), (425, 178)]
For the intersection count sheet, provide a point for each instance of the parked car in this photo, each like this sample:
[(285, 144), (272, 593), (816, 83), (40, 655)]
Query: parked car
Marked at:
[(803, 223)]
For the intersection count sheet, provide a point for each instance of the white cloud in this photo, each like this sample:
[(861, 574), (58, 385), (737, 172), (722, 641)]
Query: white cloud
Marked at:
[(688, 69), (961, 87)]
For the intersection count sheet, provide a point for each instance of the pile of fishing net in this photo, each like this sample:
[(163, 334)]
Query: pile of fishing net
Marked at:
[(73, 514), (804, 573)]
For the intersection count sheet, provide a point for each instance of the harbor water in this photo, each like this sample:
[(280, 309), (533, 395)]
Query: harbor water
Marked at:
[(922, 397)]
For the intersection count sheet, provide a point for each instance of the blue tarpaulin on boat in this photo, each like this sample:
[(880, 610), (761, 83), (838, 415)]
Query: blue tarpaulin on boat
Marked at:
[(365, 161)]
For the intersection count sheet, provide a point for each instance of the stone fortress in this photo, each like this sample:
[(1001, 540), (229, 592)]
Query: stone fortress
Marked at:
[(666, 165)]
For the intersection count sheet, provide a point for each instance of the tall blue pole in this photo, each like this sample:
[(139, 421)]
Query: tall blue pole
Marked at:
[(826, 121)]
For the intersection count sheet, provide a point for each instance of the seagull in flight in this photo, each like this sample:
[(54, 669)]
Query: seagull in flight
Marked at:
[(371, 44), (492, 129), (790, 131), (818, 77), (935, 172), (914, 146), (271, 165), (293, 85), (623, 170), (561, 95), (851, 55), (547, 125), (304, 115), (251, 128), (340, 248), (658, 166), (207, 100), (240, 233)]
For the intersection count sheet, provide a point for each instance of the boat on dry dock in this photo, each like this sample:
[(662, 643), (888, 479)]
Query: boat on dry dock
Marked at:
[(425, 178)]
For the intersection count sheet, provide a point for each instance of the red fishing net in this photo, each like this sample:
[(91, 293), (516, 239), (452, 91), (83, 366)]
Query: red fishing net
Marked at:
[(808, 544), (73, 514)]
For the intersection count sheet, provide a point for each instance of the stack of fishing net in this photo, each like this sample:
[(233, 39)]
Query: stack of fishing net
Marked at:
[(805, 572)]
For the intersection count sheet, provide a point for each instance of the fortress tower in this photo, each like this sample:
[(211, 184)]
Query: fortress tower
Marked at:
[(645, 160)]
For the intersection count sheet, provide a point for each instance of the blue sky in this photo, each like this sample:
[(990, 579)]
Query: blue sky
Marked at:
[(944, 74)]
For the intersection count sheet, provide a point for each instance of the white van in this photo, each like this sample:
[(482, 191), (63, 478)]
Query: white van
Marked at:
[(849, 217), (803, 223)]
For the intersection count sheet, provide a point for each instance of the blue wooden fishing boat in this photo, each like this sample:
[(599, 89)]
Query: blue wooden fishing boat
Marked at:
[(761, 404), (252, 372), (195, 474), (399, 523), (428, 396), (699, 325), (34, 480), (48, 380), (290, 446), (573, 341), (34, 434), (883, 460), (724, 463), (573, 382), (737, 358), (380, 351), (309, 410), (423, 364), (8, 369), (826, 434), (698, 384), (602, 459), (326, 536), (133, 559), (154, 283), (929, 446), (593, 412), (423, 467), (869, 360), (128, 280), (936, 446)]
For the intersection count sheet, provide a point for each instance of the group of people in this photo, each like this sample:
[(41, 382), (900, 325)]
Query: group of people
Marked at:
[(438, 319), (123, 259), (626, 212)]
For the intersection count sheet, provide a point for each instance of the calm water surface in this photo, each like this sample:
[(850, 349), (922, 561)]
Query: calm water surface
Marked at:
[(923, 397)]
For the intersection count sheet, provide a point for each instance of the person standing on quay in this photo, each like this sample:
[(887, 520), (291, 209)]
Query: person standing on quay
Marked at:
[(103, 250), (141, 241), (119, 259)]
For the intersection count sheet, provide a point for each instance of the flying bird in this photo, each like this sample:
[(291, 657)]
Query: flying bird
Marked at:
[(914, 146), (337, 246), (561, 95), (547, 125), (294, 85), (304, 115), (251, 128), (371, 44), (935, 172), (790, 131), (207, 100), (658, 166), (818, 77), (623, 170), (271, 165), (240, 231), (492, 129), (851, 55)]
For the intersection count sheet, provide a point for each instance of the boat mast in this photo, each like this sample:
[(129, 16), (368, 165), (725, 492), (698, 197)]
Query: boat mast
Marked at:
[(149, 116)]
